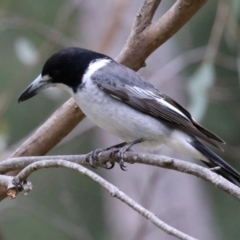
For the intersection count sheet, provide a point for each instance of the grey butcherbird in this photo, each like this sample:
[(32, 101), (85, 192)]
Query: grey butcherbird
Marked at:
[(120, 101)]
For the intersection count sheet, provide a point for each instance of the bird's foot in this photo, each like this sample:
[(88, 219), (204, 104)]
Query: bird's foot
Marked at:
[(119, 150), (92, 157), (122, 150)]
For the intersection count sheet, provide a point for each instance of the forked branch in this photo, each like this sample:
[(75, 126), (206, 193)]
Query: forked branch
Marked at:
[(114, 191)]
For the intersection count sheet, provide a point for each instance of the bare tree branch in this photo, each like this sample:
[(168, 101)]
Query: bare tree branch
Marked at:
[(143, 158), (136, 50), (141, 44), (114, 191), (144, 16)]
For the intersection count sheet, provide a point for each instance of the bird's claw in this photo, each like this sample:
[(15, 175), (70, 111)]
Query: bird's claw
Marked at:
[(92, 157), (119, 150), (122, 166), (120, 155), (110, 166), (123, 149)]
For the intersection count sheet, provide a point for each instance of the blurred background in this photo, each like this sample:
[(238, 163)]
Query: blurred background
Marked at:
[(199, 67)]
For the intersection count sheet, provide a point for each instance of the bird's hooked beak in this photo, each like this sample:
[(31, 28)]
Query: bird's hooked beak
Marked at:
[(40, 83)]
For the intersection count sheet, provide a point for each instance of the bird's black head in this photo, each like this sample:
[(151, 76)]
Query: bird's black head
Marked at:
[(65, 67)]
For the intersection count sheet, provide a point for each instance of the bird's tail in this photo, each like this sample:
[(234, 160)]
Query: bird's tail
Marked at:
[(226, 170)]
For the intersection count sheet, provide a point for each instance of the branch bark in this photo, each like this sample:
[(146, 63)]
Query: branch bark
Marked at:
[(114, 191), (145, 37), (137, 48), (142, 158)]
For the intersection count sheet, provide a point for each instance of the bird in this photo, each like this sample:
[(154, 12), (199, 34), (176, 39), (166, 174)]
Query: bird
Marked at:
[(122, 102)]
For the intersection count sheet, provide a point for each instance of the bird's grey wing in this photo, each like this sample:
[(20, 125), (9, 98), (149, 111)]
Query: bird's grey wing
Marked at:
[(197, 125), (127, 86)]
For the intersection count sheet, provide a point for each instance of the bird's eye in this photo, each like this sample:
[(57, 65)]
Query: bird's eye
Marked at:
[(55, 73)]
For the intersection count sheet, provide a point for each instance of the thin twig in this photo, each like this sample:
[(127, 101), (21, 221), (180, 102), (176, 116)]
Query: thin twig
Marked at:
[(114, 191)]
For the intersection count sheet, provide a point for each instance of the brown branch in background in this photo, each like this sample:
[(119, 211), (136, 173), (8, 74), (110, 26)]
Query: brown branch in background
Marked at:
[(114, 191), (145, 39), (137, 48)]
